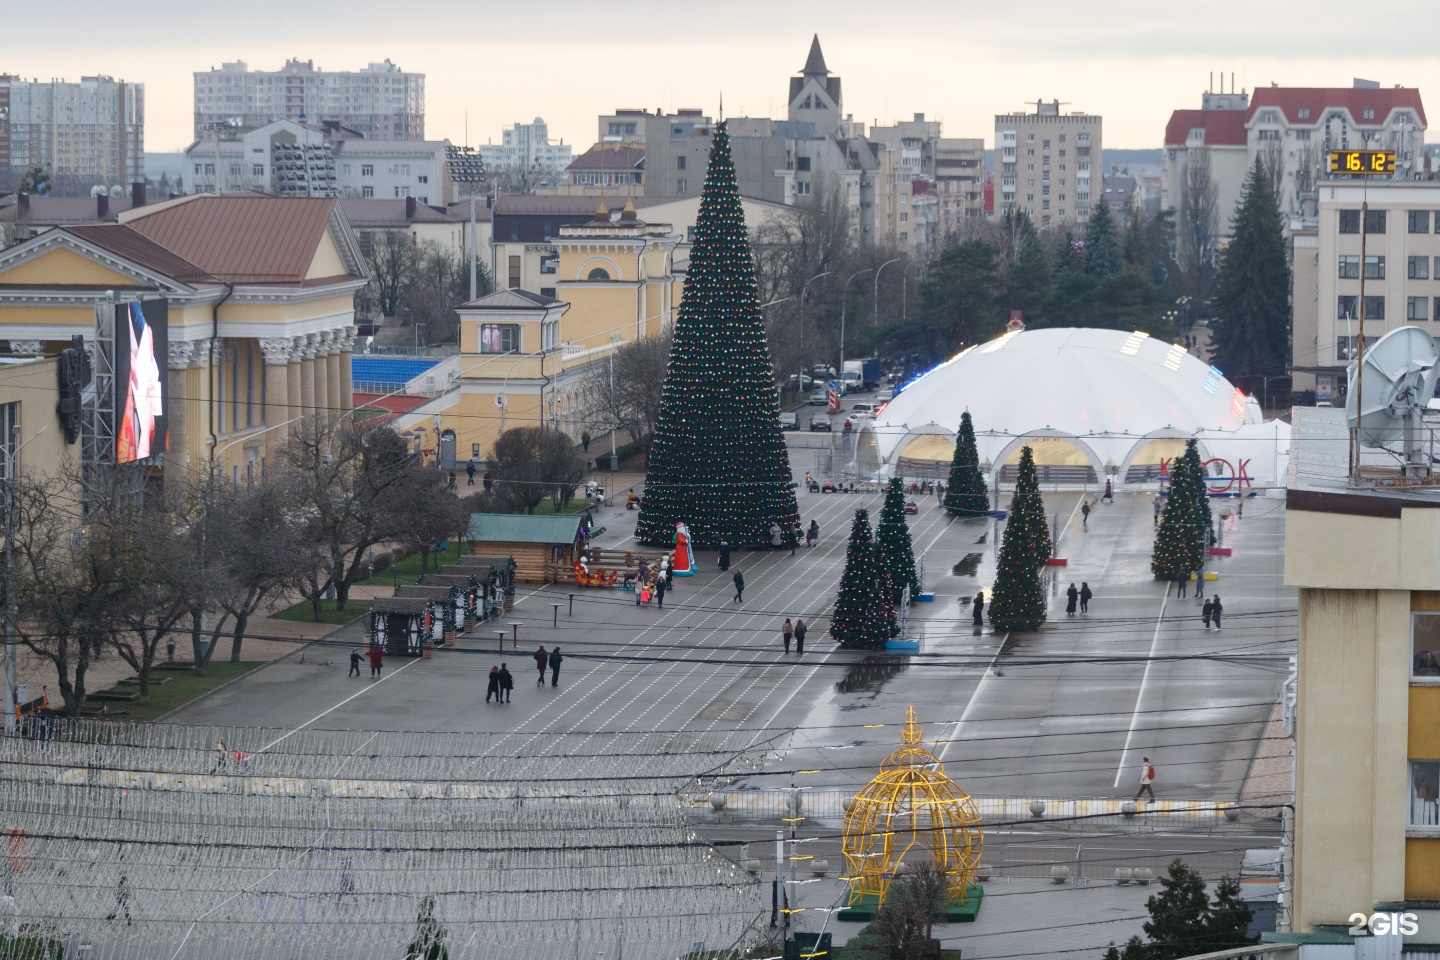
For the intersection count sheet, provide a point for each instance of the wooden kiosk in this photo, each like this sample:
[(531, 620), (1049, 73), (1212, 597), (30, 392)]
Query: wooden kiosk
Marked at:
[(543, 549), (400, 624)]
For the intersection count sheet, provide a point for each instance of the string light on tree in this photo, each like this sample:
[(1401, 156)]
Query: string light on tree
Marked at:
[(966, 494), (1180, 541), (893, 535), (1017, 602), (864, 613)]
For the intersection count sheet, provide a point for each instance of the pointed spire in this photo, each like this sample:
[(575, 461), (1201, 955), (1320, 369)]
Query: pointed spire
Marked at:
[(815, 63), (602, 212), (910, 733)]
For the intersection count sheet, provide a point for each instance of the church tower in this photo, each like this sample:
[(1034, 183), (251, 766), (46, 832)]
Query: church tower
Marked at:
[(815, 95)]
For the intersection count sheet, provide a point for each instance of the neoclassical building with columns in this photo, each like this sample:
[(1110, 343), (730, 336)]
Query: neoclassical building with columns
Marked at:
[(261, 312)]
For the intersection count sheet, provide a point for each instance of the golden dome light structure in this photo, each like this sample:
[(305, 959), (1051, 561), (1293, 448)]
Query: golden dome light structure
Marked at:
[(909, 813)]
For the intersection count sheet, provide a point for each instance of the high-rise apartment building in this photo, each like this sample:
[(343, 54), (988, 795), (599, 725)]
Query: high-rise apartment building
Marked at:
[(1046, 163), (382, 102), (93, 130), (527, 145)]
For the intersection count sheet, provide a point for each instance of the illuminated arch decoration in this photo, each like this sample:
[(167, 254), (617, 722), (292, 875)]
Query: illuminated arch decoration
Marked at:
[(911, 812)]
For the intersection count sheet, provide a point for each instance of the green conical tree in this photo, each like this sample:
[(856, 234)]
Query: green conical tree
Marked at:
[(1251, 333), (1017, 601), (1179, 542), (966, 494), (430, 936), (1102, 248), (719, 461), (892, 533), (864, 614), (1204, 519)]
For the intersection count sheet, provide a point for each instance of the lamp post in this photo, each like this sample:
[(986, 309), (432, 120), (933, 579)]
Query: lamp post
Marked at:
[(875, 321), (844, 292)]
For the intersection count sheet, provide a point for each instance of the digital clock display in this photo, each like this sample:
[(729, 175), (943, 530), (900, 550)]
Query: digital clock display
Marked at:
[(1361, 162)]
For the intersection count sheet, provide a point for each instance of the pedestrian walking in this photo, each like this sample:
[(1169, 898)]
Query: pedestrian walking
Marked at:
[(793, 535), (450, 483), (585, 440), (492, 687), (1157, 505), (470, 473), (1085, 515), (122, 900), (507, 683), (812, 534), (377, 660), (555, 661), (1182, 583), (1147, 777), (939, 494), (1215, 610), (724, 555), (541, 658), (1109, 492), (354, 663), (787, 630), (486, 482), (661, 586), (977, 608), (669, 575), (1071, 596), (739, 579), (1085, 595), (222, 757), (800, 630), (1206, 612)]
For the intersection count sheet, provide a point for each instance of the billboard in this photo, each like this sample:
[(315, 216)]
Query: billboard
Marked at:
[(142, 392)]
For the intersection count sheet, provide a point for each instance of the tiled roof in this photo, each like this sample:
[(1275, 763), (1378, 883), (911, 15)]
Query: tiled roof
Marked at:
[(514, 299), (140, 250), (241, 239), (1223, 128), (1317, 100), (608, 157)]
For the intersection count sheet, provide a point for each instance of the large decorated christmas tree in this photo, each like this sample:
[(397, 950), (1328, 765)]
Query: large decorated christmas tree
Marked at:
[(893, 535), (1180, 542), (864, 613), (719, 461), (965, 493), (1017, 601)]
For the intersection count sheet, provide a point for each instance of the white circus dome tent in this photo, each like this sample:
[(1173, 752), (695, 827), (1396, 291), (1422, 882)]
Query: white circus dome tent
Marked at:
[(1091, 403)]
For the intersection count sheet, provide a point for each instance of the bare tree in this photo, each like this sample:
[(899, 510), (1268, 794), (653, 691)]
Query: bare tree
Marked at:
[(532, 463), (1272, 157), (429, 513), (439, 284), (391, 257), (632, 403), (1196, 227)]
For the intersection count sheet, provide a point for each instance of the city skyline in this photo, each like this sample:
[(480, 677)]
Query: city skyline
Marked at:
[(1133, 66)]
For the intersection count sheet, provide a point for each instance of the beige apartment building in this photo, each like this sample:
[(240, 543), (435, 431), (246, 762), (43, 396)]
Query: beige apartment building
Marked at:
[(1046, 163), (1401, 269)]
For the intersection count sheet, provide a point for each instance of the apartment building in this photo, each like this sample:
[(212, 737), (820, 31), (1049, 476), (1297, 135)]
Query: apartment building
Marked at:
[(606, 169), (526, 145), (1046, 163), (959, 184), (1401, 269), (93, 130), (1207, 154), (381, 101)]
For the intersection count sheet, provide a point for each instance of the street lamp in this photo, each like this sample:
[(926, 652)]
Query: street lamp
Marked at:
[(879, 270), (844, 292)]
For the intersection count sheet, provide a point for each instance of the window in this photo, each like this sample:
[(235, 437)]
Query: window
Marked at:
[(1062, 196), (1349, 221), (904, 218), (1374, 268), (1045, 190), (680, 163), (1425, 645), (622, 129), (1424, 781), (1062, 149), (548, 291), (515, 231), (1415, 308), (499, 337), (1374, 308), (1417, 268), (682, 185), (802, 188), (1369, 114), (598, 275), (904, 236), (367, 169), (1044, 204), (257, 169), (802, 163), (1269, 116), (1045, 145), (1267, 135), (1417, 221), (1044, 174), (423, 178), (1304, 114), (1045, 160), (1302, 134), (1437, 307), (367, 192), (1030, 137), (1348, 308), (1082, 138), (1375, 221), (514, 272), (402, 191), (1344, 348)]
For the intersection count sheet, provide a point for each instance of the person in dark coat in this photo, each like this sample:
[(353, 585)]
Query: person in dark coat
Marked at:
[(555, 661), (739, 579), (1216, 610), (1085, 515), (1085, 595), (1206, 612), (541, 658), (661, 585), (977, 609), (470, 473), (800, 630), (1182, 583), (377, 659), (585, 440), (492, 687), (812, 534), (354, 663), (787, 629), (1109, 493), (507, 683), (486, 482), (724, 555), (1071, 596)]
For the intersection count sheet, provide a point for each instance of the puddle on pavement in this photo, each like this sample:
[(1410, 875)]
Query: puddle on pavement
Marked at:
[(870, 674), (968, 566)]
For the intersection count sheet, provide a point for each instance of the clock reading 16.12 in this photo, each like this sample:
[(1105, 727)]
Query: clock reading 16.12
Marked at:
[(1361, 163)]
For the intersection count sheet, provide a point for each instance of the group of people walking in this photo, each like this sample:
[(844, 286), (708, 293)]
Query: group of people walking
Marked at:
[(794, 631), (500, 684), (376, 654), (653, 581), (1080, 597), (552, 659)]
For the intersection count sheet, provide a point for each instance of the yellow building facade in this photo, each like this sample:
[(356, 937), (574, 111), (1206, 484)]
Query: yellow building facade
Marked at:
[(261, 312)]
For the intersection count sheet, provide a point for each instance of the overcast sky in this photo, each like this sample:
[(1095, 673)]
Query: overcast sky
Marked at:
[(961, 61)]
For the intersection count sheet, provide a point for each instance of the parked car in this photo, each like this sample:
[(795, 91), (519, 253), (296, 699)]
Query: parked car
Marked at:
[(806, 383), (790, 421), (862, 411), (820, 422), (819, 398)]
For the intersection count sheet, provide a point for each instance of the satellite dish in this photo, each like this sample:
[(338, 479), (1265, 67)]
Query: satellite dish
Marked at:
[(98, 190), (500, 400), (117, 191), (1399, 380)]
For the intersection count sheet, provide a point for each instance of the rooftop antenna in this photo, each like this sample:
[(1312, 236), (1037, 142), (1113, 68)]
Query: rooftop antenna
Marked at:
[(1402, 367)]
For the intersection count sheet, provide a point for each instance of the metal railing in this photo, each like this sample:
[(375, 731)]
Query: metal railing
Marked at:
[(1268, 951)]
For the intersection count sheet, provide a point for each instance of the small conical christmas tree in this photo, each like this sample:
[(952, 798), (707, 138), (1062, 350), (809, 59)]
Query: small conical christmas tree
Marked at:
[(1180, 542), (864, 614), (1203, 518), (893, 535), (719, 461), (966, 494), (1017, 601)]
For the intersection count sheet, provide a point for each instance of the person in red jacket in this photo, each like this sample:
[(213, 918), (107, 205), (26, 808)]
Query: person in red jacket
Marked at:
[(377, 659)]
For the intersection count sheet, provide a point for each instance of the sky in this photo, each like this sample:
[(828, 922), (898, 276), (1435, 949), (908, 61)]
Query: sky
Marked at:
[(489, 64)]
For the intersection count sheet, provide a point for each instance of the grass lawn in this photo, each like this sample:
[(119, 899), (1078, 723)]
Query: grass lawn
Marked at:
[(184, 687), (302, 613)]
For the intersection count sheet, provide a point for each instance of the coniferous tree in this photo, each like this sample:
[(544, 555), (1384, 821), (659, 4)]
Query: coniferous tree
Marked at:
[(892, 533), (1179, 542), (1186, 922), (1252, 289), (965, 493), (1203, 518), (1017, 601), (1102, 247), (864, 614), (719, 461), (429, 940)]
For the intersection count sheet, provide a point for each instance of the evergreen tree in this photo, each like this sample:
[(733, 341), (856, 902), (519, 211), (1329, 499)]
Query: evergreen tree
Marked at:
[(1229, 918), (1203, 518), (1017, 601), (1252, 289), (430, 936), (1134, 949), (1178, 913), (719, 461), (1180, 542), (1102, 248), (892, 533), (965, 493), (1027, 284), (864, 614)]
